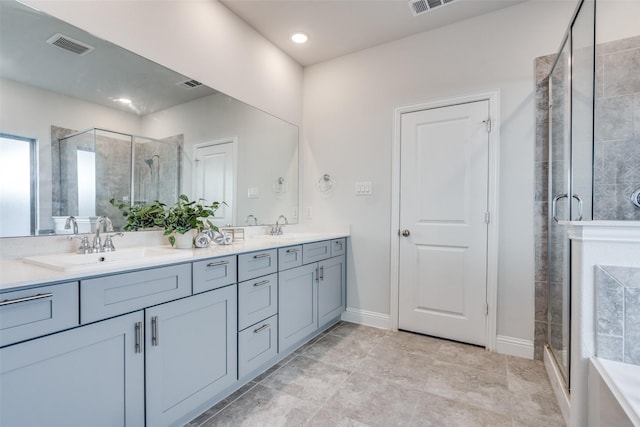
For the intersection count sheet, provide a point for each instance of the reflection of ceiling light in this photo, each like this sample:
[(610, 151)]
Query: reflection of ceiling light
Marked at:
[(125, 101), (299, 38)]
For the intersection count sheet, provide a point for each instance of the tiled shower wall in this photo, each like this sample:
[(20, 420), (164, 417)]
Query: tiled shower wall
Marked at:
[(616, 154), (618, 314), (617, 130)]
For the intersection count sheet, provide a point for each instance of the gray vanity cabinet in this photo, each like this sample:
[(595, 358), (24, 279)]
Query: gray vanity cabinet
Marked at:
[(191, 353), (313, 295), (297, 305), (87, 376), (331, 289)]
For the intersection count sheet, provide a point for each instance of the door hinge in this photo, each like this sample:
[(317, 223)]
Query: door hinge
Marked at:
[(486, 309), (487, 217), (488, 123)]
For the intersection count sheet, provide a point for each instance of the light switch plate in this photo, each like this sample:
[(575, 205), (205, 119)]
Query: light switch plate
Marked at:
[(363, 188), (253, 193)]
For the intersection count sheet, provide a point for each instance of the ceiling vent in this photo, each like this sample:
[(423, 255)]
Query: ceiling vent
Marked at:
[(418, 7), (190, 84), (70, 44)]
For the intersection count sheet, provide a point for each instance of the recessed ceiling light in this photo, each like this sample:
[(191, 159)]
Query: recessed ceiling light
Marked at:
[(123, 101), (299, 38)]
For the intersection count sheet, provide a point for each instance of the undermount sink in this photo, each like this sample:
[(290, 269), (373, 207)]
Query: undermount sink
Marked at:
[(121, 257)]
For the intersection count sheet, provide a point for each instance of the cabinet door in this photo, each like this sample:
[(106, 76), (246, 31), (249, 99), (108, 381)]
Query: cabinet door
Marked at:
[(191, 353), (331, 289), (297, 305), (88, 376)]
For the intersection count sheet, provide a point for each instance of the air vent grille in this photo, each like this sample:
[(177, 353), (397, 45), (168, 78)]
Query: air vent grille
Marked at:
[(418, 7), (190, 84), (69, 44)]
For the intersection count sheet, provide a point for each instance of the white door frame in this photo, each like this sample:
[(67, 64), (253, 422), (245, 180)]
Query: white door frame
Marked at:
[(492, 239), (234, 147)]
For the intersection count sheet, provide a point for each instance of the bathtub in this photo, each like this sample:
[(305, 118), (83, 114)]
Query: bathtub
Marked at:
[(614, 393)]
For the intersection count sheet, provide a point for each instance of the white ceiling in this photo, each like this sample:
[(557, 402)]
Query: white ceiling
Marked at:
[(339, 27)]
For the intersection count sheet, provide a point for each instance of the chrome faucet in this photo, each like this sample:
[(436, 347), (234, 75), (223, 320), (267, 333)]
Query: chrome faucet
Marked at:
[(71, 220), (108, 226), (255, 220), (277, 228)]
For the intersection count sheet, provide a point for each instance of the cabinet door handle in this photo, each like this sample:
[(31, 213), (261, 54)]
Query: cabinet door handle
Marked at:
[(322, 272), (261, 328), (317, 274), (25, 299), (293, 251), (155, 337), (261, 256), (216, 264), (264, 282), (138, 337)]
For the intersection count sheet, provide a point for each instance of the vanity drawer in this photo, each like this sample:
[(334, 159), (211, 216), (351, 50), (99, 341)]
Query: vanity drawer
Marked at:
[(316, 251), (257, 300), (289, 257), (338, 247), (256, 345), (39, 311), (256, 264), (214, 273), (116, 294)]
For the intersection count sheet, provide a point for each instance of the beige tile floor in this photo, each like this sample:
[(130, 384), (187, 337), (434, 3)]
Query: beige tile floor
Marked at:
[(354, 375)]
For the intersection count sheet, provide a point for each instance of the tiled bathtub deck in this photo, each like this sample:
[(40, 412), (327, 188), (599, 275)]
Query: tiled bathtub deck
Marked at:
[(359, 376)]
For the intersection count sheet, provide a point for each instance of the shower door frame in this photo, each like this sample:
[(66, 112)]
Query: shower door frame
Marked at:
[(569, 170)]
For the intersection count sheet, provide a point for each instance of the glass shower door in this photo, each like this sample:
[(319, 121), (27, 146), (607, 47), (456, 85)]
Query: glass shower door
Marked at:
[(571, 95), (560, 208)]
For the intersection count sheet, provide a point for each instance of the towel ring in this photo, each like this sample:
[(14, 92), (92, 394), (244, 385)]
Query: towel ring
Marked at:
[(325, 183)]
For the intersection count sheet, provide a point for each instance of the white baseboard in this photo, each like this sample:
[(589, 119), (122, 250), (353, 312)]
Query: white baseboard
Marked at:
[(514, 347), (368, 318)]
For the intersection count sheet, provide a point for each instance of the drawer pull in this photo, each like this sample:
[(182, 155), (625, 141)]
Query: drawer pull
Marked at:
[(264, 282), (293, 251), (155, 338), (138, 337), (261, 256), (25, 299), (218, 263), (261, 328)]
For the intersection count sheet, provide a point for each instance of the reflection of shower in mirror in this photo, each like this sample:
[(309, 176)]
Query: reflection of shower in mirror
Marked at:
[(149, 161)]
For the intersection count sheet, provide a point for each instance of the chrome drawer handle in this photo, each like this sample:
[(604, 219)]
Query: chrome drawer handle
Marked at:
[(216, 264), (293, 251), (138, 337), (261, 328), (261, 256), (25, 299), (155, 338), (264, 282)]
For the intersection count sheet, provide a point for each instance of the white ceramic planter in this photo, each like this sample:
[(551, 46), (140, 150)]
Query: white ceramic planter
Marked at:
[(184, 241)]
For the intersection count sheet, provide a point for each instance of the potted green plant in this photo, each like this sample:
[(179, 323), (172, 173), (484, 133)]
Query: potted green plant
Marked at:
[(178, 220), (187, 215), (141, 217)]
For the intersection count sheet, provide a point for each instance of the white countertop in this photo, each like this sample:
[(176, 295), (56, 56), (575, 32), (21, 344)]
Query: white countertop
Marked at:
[(16, 273)]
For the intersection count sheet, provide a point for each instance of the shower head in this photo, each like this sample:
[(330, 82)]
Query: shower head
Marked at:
[(149, 160)]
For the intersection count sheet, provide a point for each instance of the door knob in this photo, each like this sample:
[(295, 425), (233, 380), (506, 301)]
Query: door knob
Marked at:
[(406, 232)]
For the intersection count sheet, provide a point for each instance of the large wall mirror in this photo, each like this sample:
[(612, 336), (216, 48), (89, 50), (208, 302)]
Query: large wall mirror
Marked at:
[(83, 121)]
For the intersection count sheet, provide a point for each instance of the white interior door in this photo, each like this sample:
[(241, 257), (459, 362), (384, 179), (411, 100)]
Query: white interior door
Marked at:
[(215, 177), (443, 219)]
